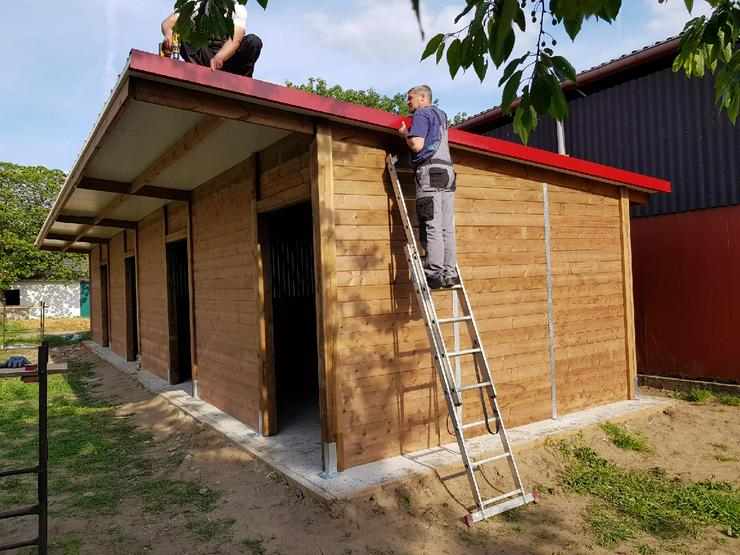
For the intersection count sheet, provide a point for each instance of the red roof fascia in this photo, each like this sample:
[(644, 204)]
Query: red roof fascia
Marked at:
[(159, 66)]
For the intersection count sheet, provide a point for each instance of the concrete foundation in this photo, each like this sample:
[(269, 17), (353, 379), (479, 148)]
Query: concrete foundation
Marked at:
[(294, 453)]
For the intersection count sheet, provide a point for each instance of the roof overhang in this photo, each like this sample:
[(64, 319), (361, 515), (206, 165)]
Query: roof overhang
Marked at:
[(170, 127)]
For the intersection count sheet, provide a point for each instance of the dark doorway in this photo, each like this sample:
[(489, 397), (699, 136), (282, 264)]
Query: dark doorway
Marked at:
[(105, 340), (132, 324), (179, 311), (294, 315)]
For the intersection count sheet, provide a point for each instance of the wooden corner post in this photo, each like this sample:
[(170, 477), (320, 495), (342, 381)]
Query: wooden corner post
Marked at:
[(322, 201), (629, 300)]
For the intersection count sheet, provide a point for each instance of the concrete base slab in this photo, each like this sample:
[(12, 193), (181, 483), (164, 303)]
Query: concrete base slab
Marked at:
[(294, 452)]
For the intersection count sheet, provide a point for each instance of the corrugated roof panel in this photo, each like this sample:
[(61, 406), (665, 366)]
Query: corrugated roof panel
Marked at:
[(661, 124)]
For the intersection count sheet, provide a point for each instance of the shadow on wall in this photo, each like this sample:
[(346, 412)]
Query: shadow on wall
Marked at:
[(63, 299)]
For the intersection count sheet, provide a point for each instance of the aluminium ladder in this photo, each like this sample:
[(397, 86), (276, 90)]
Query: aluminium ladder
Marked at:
[(451, 382)]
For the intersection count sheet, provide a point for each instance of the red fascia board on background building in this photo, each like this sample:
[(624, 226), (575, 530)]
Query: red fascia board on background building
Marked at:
[(158, 66)]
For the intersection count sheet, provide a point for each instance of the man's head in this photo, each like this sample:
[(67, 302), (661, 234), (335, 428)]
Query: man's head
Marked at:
[(419, 97)]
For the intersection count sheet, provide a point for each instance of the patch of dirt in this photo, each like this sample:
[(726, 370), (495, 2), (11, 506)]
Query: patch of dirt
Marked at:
[(420, 516)]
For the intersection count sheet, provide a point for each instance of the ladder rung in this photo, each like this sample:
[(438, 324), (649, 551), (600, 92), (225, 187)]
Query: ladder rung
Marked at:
[(476, 464), (476, 424), (501, 497), (473, 386), (443, 289), (453, 320), (463, 352)]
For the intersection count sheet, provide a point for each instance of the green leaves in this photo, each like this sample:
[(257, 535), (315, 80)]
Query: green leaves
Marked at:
[(26, 195), (434, 43), (709, 44)]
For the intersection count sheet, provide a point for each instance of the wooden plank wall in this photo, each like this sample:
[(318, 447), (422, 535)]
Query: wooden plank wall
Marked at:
[(152, 289), (177, 216), (224, 278), (391, 401), (285, 173), (117, 295), (587, 295), (96, 319)]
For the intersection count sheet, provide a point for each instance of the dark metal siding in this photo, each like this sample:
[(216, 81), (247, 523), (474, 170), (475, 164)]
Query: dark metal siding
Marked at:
[(663, 125), (687, 303)]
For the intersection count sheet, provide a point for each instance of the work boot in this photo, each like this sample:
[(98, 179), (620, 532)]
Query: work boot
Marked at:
[(451, 282), (435, 282)]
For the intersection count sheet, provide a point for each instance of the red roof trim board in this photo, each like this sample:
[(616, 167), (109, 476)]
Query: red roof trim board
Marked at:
[(157, 66)]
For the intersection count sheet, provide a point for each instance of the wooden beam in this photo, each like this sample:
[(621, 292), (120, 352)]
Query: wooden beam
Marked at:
[(78, 250), (176, 235), (192, 138), (327, 318), (224, 107), (124, 188), (86, 220), (83, 239), (629, 300)]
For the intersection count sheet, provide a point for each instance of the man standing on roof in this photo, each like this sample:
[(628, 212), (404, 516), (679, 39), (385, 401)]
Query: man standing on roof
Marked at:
[(235, 55), (435, 186)]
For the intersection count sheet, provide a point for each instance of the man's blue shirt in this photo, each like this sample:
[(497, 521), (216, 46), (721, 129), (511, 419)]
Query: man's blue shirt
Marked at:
[(427, 122)]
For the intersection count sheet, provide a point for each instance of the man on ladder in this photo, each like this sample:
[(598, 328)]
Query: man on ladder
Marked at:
[(435, 186), (435, 189)]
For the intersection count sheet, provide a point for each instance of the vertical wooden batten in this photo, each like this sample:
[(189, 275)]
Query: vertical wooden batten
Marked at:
[(191, 292), (322, 201), (265, 347), (629, 301)]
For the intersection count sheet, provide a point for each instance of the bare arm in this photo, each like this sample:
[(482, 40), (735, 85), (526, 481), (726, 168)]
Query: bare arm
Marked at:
[(228, 49), (167, 27), (416, 144)]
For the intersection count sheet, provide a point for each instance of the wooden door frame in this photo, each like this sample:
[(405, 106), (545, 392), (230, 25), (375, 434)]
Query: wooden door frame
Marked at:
[(327, 318), (105, 306)]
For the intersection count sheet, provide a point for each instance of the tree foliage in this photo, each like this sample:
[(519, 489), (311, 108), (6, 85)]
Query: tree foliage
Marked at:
[(371, 98), (26, 196), (491, 29)]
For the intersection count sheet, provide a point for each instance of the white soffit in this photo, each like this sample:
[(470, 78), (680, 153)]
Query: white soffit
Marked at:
[(137, 208), (142, 134), (232, 142), (85, 202), (74, 229)]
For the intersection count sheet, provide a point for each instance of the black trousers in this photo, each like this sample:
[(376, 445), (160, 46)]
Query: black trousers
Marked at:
[(241, 63)]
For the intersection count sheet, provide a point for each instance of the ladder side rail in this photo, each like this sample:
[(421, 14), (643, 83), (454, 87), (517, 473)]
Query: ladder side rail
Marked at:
[(501, 428), (425, 297)]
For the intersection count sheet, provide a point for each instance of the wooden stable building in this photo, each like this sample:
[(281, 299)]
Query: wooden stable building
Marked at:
[(244, 235)]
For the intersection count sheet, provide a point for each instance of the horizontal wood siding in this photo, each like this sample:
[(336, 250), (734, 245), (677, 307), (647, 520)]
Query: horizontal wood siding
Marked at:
[(177, 216), (285, 173), (96, 307), (224, 282), (588, 299), (152, 289), (117, 295), (391, 400)]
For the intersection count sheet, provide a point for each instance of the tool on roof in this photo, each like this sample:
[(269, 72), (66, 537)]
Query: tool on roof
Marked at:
[(455, 392), (174, 51)]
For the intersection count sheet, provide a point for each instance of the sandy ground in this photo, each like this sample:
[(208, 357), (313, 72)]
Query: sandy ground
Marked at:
[(417, 517)]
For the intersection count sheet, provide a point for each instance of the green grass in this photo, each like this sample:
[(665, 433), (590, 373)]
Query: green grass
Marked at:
[(701, 396), (254, 546), (211, 529), (96, 459), (624, 439), (647, 502), (723, 457), (694, 396), (608, 529), (727, 399), (21, 338)]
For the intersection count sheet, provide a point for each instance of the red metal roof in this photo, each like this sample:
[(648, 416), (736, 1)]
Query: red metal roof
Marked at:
[(296, 100)]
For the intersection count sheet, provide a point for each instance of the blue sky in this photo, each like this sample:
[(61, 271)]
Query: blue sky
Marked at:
[(64, 56)]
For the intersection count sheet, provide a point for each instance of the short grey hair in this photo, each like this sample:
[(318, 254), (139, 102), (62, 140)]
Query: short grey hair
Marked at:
[(426, 89)]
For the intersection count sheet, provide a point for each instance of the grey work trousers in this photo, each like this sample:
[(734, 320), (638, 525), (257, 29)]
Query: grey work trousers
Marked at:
[(435, 211)]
